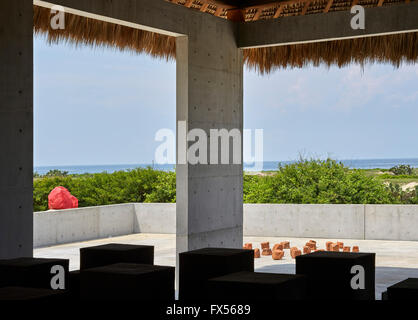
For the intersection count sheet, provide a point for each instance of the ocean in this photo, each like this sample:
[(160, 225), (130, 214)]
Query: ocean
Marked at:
[(265, 166)]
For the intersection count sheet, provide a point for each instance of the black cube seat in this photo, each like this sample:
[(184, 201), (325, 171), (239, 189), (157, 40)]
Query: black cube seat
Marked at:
[(404, 290), (338, 275), (257, 286), (198, 266), (128, 281), (112, 253), (74, 284), (31, 294), (30, 272)]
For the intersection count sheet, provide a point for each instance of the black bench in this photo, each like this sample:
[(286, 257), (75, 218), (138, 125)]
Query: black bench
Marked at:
[(257, 286), (112, 253), (31, 294), (30, 272), (74, 285), (404, 290), (335, 275), (198, 266), (128, 281)]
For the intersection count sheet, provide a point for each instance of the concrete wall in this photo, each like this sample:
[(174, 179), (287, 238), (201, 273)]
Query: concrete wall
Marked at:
[(209, 96), (380, 222), (65, 226), (371, 222), (295, 220), (391, 222), (16, 128), (155, 218), (72, 225)]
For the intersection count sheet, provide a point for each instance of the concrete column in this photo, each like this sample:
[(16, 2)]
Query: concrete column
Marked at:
[(209, 96), (16, 128)]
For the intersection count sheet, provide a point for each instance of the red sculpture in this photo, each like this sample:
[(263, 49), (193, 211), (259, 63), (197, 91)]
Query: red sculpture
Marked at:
[(61, 198)]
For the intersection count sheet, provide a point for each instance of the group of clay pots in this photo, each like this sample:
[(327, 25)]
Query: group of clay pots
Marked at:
[(337, 246), (277, 252)]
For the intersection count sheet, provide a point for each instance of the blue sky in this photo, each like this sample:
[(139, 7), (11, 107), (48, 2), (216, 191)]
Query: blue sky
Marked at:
[(101, 106)]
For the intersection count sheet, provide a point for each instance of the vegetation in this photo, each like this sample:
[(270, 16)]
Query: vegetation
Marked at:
[(316, 181), (138, 185), (406, 197), (402, 170), (306, 181)]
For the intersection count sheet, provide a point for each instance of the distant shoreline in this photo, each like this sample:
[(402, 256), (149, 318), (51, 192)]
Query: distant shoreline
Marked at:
[(266, 166)]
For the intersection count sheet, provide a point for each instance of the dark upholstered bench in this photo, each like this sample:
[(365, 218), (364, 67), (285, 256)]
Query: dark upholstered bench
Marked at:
[(404, 290), (127, 281), (112, 253), (31, 294), (30, 272), (198, 266), (257, 286), (334, 275)]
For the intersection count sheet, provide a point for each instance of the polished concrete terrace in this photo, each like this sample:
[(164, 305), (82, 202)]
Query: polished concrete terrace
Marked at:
[(395, 260)]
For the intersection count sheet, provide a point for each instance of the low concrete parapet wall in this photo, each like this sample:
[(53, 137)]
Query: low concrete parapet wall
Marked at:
[(71, 225), (345, 221), (391, 222), (371, 222), (304, 220), (155, 218)]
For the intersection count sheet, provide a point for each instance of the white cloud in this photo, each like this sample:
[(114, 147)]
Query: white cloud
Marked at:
[(376, 83)]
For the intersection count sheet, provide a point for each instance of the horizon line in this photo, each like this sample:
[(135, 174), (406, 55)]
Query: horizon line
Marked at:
[(151, 163)]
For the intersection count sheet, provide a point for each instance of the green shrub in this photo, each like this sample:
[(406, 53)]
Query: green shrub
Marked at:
[(164, 189), (138, 185), (306, 181), (406, 197), (413, 199), (402, 169), (317, 181), (258, 189)]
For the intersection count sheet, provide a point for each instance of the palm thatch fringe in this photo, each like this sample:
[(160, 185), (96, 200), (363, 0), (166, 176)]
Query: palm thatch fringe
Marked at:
[(86, 31), (395, 49)]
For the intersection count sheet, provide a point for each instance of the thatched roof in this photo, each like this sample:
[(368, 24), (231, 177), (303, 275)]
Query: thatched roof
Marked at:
[(395, 49), (86, 31), (267, 9)]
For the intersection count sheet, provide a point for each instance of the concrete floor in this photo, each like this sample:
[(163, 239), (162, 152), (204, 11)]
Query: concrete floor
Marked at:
[(395, 260)]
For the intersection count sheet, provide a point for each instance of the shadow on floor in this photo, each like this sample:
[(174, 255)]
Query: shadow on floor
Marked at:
[(385, 276)]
